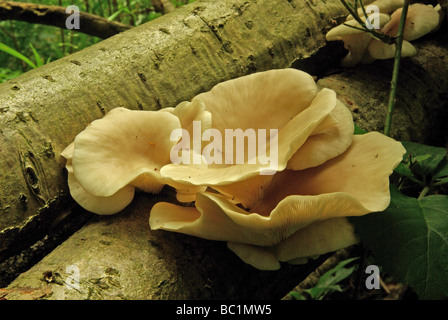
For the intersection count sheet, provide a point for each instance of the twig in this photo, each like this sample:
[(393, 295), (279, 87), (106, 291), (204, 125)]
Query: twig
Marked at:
[(163, 6), (62, 34), (394, 82), (384, 286), (380, 36), (56, 16)]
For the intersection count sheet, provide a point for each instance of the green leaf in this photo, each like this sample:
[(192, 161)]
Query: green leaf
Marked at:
[(14, 53), (404, 170), (410, 240), (114, 15), (318, 293), (337, 274), (297, 295), (329, 280), (428, 160), (39, 61), (358, 130), (7, 74)]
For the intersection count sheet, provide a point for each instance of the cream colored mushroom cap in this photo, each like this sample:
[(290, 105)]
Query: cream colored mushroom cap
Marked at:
[(355, 41), (352, 184), (349, 28), (384, 6), (420, 20), (380, 50), (125, 147), (285, 100), (97, 204)]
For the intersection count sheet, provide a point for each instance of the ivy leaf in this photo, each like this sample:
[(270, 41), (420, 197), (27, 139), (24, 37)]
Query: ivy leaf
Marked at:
[(410, 240), (404, 170), (426, 160)]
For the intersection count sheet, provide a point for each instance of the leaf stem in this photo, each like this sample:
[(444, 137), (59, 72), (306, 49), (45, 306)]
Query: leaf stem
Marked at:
[(394, 82), (438, 184), (423, 193)]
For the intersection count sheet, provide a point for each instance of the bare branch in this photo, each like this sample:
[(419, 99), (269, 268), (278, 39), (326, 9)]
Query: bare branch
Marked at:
[(56, 16), (163, 6)]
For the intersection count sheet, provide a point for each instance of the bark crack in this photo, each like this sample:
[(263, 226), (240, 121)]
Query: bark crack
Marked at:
[(225, 44)]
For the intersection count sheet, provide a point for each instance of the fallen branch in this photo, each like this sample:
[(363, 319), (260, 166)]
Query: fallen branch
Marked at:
[(163, 6), (56, 16)]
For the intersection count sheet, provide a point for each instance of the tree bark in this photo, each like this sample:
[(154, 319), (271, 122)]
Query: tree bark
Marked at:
[(159, 65), (56, 16)]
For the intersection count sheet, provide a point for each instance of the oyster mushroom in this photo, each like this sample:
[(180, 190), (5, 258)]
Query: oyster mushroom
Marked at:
[(308, 201), (98, 204), (380, 50), (421, 19), (355, 41), (120, 152), (384, 6), (286, 100)]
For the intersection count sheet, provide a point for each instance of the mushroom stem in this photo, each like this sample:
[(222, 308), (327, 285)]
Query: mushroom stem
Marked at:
[(395, 72)]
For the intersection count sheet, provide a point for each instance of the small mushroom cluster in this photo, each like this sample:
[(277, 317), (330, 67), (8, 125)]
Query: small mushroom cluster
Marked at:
[(362, 47), (324, 172)]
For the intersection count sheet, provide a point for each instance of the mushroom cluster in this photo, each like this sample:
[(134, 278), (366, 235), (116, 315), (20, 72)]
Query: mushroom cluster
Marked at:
[(363, 47), (324, 173)]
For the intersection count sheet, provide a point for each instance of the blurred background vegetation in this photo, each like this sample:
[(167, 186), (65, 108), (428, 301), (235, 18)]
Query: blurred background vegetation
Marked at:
[(24, 46)]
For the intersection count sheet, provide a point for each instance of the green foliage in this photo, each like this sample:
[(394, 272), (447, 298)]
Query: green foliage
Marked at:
[(37, 57), (358, 130), (16, 54), (410, 241), (327, 283), (25, 46), (424, 165), (410, 238), (7, 74)]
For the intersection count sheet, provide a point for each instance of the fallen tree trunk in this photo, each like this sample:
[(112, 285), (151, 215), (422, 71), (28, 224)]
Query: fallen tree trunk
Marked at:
[(153, 66), (56, 16)]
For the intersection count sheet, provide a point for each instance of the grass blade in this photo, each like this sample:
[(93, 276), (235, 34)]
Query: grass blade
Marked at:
[(18, 55), (37, 58)]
